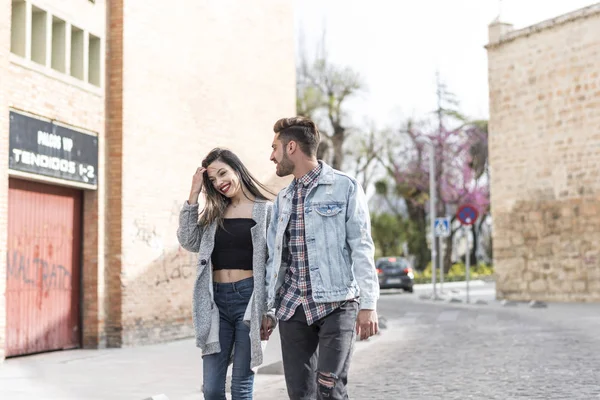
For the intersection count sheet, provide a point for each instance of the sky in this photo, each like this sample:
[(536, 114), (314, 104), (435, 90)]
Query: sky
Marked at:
[(397, 47)]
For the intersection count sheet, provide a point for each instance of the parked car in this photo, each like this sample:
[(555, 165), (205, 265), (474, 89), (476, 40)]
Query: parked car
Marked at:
[(395, 273)]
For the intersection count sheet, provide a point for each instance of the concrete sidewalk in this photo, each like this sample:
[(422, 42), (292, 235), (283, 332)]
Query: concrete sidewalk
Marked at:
[(173, 369), (450, 285), (131, 373)]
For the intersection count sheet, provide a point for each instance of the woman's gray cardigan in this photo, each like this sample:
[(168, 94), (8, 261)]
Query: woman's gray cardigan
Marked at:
[(201, 239)]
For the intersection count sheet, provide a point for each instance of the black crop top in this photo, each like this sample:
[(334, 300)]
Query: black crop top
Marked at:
[(233, 244)]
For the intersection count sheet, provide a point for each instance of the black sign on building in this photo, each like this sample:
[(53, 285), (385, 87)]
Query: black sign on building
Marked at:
[(44, 148)]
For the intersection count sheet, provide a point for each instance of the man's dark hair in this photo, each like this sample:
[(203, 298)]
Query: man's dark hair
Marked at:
[(302, 131)]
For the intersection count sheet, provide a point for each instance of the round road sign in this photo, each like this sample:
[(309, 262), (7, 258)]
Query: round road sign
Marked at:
[(467, 214)]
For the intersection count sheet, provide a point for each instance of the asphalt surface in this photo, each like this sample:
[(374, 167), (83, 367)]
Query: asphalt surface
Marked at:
[(429, 350), (441, 350)]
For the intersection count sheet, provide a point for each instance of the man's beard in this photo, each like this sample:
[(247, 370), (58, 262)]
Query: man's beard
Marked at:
[(285, 167)]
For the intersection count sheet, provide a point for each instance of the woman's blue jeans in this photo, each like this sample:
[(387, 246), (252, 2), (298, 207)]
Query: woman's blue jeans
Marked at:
[(232, 300)]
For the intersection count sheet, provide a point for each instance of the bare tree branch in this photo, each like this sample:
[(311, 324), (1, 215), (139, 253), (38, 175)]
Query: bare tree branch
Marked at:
[(323, 87)]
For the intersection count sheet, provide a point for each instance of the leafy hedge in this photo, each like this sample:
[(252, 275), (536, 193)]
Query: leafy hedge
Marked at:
[(457, 273)]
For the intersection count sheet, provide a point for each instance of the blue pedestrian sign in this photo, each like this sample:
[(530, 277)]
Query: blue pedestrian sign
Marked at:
[(442, 227)]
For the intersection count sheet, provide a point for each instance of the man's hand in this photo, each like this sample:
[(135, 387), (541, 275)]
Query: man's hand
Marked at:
[(366, 324), (266, 328)]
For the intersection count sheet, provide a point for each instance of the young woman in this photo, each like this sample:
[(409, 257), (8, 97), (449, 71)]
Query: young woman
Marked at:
[(229, 300)]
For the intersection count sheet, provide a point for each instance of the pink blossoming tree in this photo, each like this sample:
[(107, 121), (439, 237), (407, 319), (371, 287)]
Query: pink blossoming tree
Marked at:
[(461, 172)]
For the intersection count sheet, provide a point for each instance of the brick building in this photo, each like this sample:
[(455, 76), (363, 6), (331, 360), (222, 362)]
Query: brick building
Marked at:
[(544, 84), (106, 109)]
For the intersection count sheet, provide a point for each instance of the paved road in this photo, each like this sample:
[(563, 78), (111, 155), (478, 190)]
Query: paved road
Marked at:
[(436, 350), (431, 350)]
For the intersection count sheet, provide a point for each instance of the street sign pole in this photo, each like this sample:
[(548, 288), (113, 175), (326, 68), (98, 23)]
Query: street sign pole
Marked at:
[(432, 215), (468, 258), (442, 230), (441, 249)]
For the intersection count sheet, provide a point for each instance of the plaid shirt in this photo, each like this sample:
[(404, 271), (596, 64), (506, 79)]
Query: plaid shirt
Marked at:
[(296, 289)]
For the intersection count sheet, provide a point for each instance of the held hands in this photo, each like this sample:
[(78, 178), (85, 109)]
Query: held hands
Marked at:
[(197, 182), (266, 328), (366, 324)]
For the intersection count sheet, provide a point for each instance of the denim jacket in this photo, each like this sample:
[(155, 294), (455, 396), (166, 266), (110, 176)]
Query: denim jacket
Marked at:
[(338, 241)]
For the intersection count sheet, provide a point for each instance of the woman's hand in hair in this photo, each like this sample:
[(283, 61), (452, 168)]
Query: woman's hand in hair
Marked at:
[(197, 182)]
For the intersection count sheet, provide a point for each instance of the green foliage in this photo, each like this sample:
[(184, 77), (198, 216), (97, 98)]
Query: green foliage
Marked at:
[(457, 273), (389, 232), (381, 187), (417, 245), (414, 227), (308, 100)]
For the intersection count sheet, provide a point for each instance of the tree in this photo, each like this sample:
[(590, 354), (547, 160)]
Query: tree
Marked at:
[(389, 232), (478, 153), (322, 90), (461, 168), (447, 108), (416, 226), (363, 155), (456, 181)]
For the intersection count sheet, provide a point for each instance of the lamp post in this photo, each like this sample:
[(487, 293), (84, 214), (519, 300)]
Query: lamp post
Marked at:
[(432, 213)]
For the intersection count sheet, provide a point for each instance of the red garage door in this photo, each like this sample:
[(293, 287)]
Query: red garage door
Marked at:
[(42, 291)]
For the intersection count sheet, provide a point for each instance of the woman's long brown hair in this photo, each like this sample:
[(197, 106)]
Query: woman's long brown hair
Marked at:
[(216, 203)]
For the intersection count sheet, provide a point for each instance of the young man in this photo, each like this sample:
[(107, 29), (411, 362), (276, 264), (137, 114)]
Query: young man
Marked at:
[(321, 274)]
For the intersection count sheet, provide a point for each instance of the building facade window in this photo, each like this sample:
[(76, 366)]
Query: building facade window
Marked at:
[(59, 45), (50, 41), (18, 34)]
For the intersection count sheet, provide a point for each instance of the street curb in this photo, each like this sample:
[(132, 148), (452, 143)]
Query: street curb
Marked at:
[(460, 301), (537, 304), (426, 297), (451, 285), (530, 304)]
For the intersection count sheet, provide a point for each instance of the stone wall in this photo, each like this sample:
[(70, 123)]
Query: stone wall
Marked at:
[(544, 126)]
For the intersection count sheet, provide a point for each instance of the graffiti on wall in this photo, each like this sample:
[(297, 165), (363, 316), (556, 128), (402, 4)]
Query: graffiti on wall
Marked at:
[(37, 271), (147, 234), (177, 266), (174, 264)]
